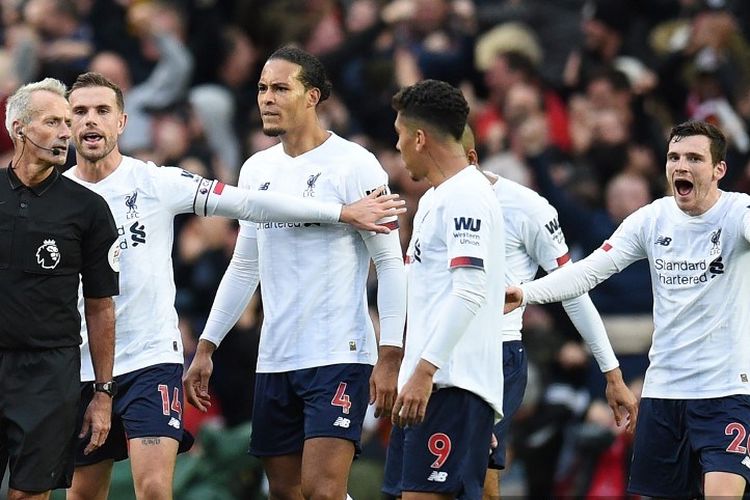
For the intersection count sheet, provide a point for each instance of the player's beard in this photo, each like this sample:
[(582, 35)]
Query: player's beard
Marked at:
[(273, 131), (95, 156)]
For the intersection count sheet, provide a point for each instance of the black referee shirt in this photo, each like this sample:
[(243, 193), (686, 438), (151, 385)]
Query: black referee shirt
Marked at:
[(49, 235)]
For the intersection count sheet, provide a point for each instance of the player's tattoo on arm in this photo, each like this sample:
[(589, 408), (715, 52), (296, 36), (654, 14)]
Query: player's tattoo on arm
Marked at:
[(150, 441)]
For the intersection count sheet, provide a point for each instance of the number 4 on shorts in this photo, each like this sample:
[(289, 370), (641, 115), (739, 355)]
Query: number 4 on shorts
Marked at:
[(341, 398)]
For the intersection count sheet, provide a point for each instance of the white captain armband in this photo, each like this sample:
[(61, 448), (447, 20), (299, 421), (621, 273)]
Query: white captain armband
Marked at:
[(206, 188)]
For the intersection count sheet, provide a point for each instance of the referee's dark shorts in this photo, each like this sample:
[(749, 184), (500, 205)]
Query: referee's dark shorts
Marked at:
[(39, 394)]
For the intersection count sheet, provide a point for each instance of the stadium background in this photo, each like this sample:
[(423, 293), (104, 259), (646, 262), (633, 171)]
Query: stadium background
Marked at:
[(570, 97)]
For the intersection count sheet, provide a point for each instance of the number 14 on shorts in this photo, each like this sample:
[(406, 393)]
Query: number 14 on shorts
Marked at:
[(175, 404)]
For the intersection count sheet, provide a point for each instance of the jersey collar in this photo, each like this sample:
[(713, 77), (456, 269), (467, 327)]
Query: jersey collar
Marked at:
[(39, 189)]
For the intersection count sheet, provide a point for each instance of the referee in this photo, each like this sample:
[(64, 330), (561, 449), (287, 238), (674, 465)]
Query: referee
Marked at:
[(51, 231)]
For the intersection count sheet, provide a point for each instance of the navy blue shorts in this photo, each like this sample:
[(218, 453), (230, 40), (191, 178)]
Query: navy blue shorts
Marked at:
[(325, 401), (678, 440), (148, 404), (515, 377), (447, 453)]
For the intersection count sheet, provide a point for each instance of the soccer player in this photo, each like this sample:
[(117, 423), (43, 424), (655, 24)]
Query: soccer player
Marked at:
[(317, 344), (144, 199), (694, 415), (450, 383), (533, 239)]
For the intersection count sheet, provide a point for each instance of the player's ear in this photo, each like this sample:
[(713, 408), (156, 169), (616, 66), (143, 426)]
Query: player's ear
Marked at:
[(420, 139), (720, 170), (313, 97), (122, 122)]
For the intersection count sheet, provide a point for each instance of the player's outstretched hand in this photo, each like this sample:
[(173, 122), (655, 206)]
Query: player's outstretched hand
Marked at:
[(97, 421), (196, 380), (621, 400), (513, 299), (411, 403), (384, 380), (364, 214)]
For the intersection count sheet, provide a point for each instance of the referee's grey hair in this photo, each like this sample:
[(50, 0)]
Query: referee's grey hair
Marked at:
[(18, 107)]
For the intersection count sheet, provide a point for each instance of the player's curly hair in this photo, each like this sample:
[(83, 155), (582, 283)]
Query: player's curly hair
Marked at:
[(436, 103), (312, 74), (718, 140)]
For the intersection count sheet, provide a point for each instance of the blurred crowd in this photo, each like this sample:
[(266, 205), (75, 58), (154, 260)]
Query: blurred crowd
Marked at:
[(570, 97)]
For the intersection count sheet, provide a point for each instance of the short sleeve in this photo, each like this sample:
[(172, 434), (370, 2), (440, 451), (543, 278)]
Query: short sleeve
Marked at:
[(100, 252), (366, 177), (544, 238), (468, 225)]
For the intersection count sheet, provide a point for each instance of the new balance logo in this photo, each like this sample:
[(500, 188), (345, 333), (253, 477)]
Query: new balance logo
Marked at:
[(438, 477), (264, 186), (663, 241), (746, 462), (342, 422), (173, 422)]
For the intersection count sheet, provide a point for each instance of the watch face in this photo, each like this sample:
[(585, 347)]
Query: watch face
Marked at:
[(109, 388)]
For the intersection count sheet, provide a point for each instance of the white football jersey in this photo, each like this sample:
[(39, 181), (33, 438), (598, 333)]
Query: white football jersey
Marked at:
[(700, 274), (313, 276), (459, 223), (533, 238), (144, 200)]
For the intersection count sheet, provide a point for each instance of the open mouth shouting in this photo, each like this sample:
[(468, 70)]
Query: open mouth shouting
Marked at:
[(91, 139), (683, 187)]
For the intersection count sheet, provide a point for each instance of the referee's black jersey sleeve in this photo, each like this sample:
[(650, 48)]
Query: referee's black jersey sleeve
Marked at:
[(99, 254)]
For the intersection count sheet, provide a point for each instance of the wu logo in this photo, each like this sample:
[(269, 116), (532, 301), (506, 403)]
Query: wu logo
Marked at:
[(137, 233), (130, 203), (467, 223), (310, 191), (552, 226), (663, 241)]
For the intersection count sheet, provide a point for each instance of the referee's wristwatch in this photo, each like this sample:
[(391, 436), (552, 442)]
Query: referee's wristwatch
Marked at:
[(109, 388)]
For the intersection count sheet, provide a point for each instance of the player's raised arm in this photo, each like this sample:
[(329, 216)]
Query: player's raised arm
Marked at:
[(266, 206)]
